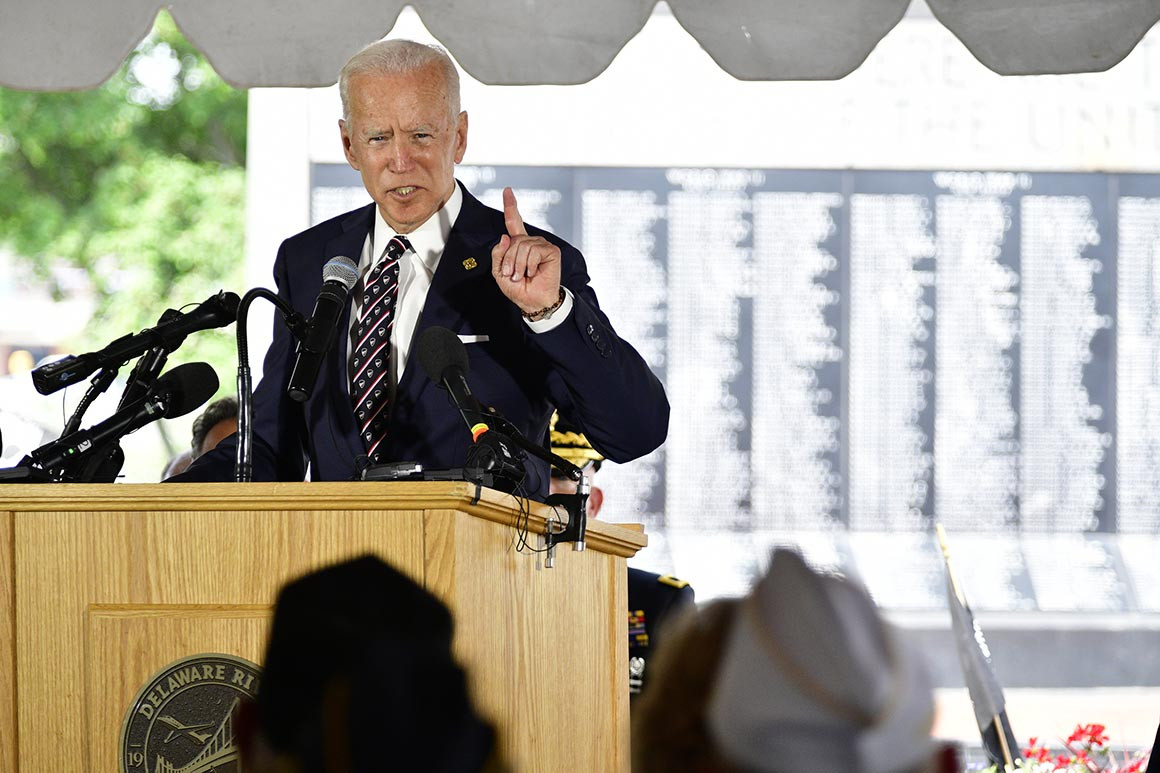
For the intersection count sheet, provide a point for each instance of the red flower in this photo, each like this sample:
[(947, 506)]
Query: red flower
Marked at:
[(1034, 751), (1092, 735)]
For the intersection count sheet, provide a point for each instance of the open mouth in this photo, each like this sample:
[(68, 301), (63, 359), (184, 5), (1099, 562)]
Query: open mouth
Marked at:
[(403, 191)]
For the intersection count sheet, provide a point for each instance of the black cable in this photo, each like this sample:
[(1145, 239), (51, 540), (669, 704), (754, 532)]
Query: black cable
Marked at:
[(524, 520)]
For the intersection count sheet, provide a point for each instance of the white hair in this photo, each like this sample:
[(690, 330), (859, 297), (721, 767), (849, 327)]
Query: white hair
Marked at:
[(393, 57)]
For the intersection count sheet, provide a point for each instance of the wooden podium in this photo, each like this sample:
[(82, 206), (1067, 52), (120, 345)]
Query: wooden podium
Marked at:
[(104, 585)]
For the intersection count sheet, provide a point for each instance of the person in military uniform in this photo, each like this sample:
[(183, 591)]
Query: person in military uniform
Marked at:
[(654, 600)]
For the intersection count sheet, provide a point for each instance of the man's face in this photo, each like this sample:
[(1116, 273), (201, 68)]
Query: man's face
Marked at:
[(402, 139), (217, 433)]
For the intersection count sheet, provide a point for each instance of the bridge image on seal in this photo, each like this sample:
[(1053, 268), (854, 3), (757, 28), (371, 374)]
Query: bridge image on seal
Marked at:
[(218, 751)]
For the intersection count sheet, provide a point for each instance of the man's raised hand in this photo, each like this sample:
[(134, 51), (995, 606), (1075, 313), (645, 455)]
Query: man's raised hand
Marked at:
[(526, 268)]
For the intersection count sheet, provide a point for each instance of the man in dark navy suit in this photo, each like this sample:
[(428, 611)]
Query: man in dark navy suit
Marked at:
[(654, 600), (430, 254)]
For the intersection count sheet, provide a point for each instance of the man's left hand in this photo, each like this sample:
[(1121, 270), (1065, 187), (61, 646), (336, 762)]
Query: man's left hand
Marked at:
[(526, 268)]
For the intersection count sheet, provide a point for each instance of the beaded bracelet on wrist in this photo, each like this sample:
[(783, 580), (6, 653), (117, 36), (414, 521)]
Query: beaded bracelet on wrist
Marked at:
[(547, 311)]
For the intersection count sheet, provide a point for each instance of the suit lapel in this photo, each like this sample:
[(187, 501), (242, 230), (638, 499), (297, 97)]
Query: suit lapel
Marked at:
[(349, 243), (466, 259)]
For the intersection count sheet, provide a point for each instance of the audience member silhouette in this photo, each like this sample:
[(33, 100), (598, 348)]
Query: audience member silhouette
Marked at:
[(359, 677), (801, 676)]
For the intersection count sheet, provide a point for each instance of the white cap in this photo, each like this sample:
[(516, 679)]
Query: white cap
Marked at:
[(813, 679)]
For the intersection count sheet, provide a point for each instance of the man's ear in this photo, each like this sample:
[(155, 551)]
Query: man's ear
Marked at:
[(350, 159), (460, 136), (595, 501)]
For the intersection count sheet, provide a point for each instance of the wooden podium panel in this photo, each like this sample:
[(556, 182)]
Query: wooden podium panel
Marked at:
[(8, 739), (106, 584), (521, 618), (122, 640)]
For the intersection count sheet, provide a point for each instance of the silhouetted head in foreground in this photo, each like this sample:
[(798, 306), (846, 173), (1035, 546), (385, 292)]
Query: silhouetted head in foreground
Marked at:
[(803, 674), (359, 676)]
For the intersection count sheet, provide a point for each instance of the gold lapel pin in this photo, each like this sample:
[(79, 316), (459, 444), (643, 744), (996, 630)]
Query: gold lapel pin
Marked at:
[(469, 264)]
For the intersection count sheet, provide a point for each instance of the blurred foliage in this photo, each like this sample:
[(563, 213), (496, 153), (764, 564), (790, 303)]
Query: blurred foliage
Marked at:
[(140, 183)]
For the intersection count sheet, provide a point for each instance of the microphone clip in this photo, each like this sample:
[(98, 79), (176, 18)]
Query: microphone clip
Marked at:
[(296, 323), (491, 454), (576, 530)]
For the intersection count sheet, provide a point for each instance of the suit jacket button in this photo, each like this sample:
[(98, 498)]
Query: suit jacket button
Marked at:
[(590, 329)]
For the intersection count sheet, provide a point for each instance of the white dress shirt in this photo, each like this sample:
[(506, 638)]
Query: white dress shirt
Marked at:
[(416, 268)]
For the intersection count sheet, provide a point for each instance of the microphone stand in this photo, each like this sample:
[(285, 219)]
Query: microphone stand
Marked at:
[(577, 529), (97, 386), (244, 461), (152, 362), (142, 377), (105, 465), (216, 311), (575, 504)]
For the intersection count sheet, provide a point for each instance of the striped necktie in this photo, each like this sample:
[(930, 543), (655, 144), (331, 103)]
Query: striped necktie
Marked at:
[(371, 348)]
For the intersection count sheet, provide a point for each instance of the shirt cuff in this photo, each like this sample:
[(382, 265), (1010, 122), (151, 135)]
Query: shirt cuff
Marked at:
[(557, 318)]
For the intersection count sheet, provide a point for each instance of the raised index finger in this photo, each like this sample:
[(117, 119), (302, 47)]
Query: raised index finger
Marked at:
[(511, 215)]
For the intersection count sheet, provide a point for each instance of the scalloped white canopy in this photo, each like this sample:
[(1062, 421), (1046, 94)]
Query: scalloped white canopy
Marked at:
[(77, 44)]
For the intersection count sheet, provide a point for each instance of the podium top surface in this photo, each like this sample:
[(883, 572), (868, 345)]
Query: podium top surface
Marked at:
[(461, 496)]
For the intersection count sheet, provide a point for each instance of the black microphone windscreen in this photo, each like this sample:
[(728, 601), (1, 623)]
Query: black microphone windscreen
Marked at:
[(230, 302), (440, 349), (188, 386)]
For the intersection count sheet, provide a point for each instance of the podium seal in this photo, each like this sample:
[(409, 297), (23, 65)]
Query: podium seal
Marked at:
[(182, 720)]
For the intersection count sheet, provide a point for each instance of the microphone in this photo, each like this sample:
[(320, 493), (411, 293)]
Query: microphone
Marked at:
[(176, 393), (338, 276), (216, 311), (444, 360)]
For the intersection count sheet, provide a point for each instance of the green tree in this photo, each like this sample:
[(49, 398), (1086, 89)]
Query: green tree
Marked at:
[(139, 183)]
